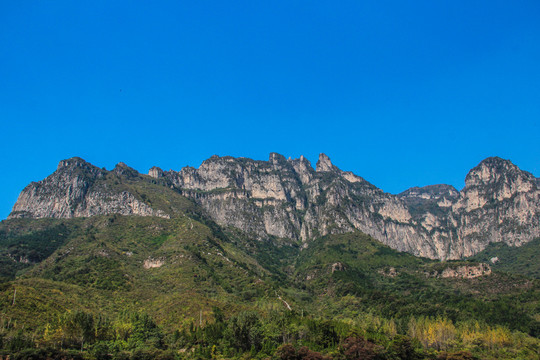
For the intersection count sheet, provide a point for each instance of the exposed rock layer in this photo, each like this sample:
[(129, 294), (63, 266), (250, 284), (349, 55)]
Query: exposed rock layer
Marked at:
[(464, 271), (289, 199), (80, 189)]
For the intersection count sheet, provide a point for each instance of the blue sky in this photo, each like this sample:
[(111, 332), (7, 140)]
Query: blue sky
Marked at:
[(401, 93)]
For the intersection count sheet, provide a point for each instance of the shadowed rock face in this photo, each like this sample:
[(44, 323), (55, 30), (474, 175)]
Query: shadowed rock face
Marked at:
[(289, 199)]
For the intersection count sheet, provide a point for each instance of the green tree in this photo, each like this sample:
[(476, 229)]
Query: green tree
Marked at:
[(402, 348), (244, 331)]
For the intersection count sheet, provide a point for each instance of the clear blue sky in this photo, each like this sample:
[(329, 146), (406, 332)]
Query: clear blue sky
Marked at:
[(402, 93)]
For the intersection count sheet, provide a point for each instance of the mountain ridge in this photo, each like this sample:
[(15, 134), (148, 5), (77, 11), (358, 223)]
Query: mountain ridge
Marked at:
[(196, 279), (288, 198)]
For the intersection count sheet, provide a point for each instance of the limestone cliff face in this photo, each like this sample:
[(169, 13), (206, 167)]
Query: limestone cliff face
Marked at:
[(500, 202), (288, 198), (79, 189)]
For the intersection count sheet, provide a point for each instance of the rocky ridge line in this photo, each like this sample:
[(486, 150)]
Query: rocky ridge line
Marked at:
[(80, 189), (288, 198)]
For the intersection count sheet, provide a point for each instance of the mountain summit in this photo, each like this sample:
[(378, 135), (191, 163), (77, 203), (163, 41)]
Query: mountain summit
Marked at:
[(289, 199)]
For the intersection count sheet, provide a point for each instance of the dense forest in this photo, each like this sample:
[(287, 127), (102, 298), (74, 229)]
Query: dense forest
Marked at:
[(277, 334)]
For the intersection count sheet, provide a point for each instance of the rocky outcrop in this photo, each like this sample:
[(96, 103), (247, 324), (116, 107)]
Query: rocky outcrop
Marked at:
[(463, 272), (151, 263), (390, 272), (420, 199), (337, 267), (155, 172), (288, 198), (500, 203), (80, 189)]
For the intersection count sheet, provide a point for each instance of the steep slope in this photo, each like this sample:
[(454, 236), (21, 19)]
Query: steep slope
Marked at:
[(80, 189), (500, 203), (288, 199), (170, 268)]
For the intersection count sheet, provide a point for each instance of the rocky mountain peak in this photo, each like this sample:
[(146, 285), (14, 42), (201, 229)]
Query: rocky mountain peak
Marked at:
[(496, 179), (121, 169), (156, 172), (495, 170), (303, 161), (74, 162), (303, 168), (74, 169), (324, 164), (80, 189), (289, 199), (276, 158)]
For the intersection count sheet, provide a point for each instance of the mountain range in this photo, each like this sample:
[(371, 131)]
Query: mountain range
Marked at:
[(289, 199), (270, 259)]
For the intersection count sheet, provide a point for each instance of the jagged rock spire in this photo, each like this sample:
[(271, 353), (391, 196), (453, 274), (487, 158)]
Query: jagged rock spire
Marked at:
[(324, 164)]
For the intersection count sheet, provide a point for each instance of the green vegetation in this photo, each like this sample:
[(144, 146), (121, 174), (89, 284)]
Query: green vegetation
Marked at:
[(278, 334), (398, 285), (26, 243), (521, 260), (128, 287)]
